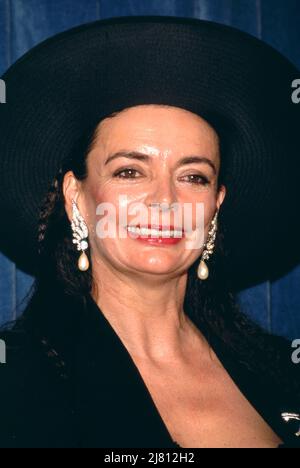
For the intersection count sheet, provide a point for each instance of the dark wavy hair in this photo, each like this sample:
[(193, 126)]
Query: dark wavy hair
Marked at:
[(210, 304)]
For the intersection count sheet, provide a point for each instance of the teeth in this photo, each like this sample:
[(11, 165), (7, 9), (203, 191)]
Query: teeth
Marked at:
[(154, 232)]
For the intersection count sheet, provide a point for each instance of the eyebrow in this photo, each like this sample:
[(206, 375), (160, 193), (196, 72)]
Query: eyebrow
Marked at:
[(146, 158)]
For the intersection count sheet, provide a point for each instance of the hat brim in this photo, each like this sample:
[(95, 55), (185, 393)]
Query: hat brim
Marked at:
[(242, 86)]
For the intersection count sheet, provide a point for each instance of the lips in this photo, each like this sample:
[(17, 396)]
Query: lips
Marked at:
[(158, 227), (156, 234)]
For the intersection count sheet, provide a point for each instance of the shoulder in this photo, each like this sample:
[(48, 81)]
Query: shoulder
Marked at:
[(34, 408)]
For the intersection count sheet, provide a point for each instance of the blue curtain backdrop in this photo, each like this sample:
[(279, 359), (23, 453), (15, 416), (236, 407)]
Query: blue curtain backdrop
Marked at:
[(24, 23)]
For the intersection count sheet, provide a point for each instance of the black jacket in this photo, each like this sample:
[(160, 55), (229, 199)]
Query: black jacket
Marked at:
[(77, 386)]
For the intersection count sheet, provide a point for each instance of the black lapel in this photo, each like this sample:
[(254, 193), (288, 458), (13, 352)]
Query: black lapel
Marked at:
[(114, 406)]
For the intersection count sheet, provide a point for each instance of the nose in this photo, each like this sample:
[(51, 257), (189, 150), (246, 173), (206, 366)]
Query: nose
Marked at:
[(163, 192)]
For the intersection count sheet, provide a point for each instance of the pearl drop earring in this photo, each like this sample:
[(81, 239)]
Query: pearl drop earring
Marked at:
[(80, 235), (203, 271)]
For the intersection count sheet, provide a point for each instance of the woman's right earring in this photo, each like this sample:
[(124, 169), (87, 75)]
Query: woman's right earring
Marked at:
[(203, 271), (80, 235)]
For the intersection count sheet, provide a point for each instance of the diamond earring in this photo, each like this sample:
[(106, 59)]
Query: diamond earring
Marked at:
[(203, 271), (80, 235)]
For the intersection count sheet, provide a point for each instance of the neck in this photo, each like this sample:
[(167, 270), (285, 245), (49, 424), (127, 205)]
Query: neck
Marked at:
[(146, 311)]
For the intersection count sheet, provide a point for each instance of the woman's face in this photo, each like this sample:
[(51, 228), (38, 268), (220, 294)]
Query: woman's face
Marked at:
[(163, 136)]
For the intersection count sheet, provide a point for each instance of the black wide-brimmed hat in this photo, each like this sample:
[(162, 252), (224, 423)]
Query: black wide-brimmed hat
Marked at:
[(243, 87)]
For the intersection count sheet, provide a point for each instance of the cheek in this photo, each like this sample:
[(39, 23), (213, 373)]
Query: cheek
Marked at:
[(101, 193), (97, 195), (93, 197), (107, 208), (114, 195), (210, 206), (205, 203)]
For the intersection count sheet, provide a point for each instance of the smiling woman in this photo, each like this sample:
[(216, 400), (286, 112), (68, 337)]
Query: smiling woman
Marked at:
[(163, 172), (135, 339)]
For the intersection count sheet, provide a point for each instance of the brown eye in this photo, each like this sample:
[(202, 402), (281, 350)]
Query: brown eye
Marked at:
[(197, 179), (129, 174)]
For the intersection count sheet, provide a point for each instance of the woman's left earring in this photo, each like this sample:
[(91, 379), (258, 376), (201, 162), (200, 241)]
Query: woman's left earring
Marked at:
[(80, 237), (203, 271)]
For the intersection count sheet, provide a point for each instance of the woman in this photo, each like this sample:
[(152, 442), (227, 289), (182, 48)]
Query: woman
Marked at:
[(134, 339)]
